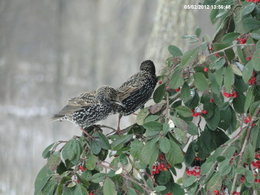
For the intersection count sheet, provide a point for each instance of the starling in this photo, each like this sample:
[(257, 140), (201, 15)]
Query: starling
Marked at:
[(137, 90), (90, 107)]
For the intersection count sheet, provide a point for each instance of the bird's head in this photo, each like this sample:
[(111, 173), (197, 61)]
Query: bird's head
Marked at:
[(148, 66), (107, 95)]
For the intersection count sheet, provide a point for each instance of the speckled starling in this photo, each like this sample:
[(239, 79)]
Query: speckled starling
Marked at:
[(137, 90), (90, 107)]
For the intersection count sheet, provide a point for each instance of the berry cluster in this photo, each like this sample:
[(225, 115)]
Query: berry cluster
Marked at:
[(241, 40), (195, 171), (195, 114), (253, 1), (252, 80), (256, 164), (160, 167), (228, 95)]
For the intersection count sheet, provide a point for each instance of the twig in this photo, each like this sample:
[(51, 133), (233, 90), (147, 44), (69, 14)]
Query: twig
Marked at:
[(235, 45), (240, 157)]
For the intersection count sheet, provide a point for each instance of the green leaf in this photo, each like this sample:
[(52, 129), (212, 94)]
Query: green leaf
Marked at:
[(177, 79), (122, 139), (200, 81), (228, 78), (185, 93), (159, 93), (164, 144), (248, 9), (247, 72), (249, 154), (189, 181), (153, 126), (184, 111), (149, 152), (72, 151), (91, 162), (98, 177), (230, 37), (53, 161), (224, 167), (189, 56), (164, 177), (249, 98), (50, 186), (215, 182), (46, 153), (151, 118), (175, 154), (42, 178), (198, 31), (174, 51), (256, 58), (249, 176), (159, 188), (131, 191), (94, 147), (239, 103), (135, 148), (142, 114), (109, 187), (104, 143)]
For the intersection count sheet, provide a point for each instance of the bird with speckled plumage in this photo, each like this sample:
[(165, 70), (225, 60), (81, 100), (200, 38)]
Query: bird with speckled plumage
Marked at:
[(90, 107), (137, 90)]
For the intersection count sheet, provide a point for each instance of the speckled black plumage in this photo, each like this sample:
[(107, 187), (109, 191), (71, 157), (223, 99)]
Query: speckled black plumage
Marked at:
[(137, 90), (90, 107)]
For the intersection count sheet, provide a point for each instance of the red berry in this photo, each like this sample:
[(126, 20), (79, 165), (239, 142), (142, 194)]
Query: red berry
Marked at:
[(227, 94), (91, 193), (153, 172), (241, 40), (204, 111), (162, 166), (205, 69), (248, 58), (160, 82), (257, 156), (211, 100), (247, 119), (217, 55), (242, 179), (177, 90), (82, 168), (161, 157), (197, 158), (216, 192), (252, 81), (234, 94)]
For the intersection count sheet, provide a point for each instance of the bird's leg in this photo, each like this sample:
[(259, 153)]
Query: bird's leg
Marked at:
[(118, 124)]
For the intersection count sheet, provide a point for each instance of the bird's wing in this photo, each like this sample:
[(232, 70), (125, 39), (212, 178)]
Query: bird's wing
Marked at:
[(76, 103), (132, 85)]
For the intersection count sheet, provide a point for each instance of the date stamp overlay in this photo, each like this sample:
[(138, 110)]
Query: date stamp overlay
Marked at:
[(198, 5)]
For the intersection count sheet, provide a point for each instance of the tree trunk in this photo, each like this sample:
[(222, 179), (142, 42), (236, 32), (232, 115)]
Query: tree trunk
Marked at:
[(171, 23)]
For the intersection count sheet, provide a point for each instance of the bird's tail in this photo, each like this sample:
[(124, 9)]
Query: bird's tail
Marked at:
[(57, 117)]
